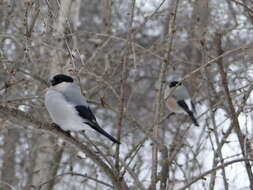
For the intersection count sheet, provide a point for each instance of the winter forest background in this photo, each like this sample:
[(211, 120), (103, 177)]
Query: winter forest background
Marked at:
[(123, 53)]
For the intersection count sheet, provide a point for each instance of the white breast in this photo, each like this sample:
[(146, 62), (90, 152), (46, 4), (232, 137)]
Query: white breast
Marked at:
[(62, 112)]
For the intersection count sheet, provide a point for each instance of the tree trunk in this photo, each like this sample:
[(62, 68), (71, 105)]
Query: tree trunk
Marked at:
[(47, 154), (8, 170)]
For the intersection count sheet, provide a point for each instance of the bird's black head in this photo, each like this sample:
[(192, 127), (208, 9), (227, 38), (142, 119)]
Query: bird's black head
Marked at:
[(174, 83), (57, 79)]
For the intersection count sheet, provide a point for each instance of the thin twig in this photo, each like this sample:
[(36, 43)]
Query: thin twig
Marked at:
[(16, 116), (79, 175), (233, 115), (202, 176), (163, 68)]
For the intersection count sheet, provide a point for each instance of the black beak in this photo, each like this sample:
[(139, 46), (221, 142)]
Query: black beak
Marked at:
[(52, 82)]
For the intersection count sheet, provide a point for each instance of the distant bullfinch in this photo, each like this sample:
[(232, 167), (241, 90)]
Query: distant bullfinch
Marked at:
[(178, 100)]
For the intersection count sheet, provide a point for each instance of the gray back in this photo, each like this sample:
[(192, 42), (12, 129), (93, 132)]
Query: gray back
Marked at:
[(72, 93), (177, 92), (181, 93)]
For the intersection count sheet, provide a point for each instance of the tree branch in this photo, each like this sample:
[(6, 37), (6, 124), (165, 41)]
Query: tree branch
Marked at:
[(233, 115), (213, 170), (16, 116)]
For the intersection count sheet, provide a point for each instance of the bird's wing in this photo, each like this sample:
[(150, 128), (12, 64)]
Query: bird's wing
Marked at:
[(183, 105), (86, 114), (89, 119), (72, 93), (181, 93)]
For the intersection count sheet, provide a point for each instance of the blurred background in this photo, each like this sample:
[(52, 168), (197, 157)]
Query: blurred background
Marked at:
[(123, 53)]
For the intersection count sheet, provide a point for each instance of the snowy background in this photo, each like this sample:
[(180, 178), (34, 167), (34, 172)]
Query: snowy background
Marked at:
[(118, 49)]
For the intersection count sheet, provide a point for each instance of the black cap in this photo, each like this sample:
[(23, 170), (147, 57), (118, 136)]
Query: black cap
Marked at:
[(57, 79)]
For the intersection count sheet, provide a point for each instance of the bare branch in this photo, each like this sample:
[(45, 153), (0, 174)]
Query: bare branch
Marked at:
[(16, 116), (202, 176)]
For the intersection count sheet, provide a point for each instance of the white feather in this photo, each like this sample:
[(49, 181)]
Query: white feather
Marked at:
[(63, 112)]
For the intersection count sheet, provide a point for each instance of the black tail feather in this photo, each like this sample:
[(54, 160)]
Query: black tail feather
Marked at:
[(96, 127), (190, 113), (89, 118), (194, 120)]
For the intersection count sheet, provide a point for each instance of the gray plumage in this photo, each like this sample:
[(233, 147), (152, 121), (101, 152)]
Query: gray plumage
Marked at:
[(177, 90), (178, 100), (68, 108), (73, 94)]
